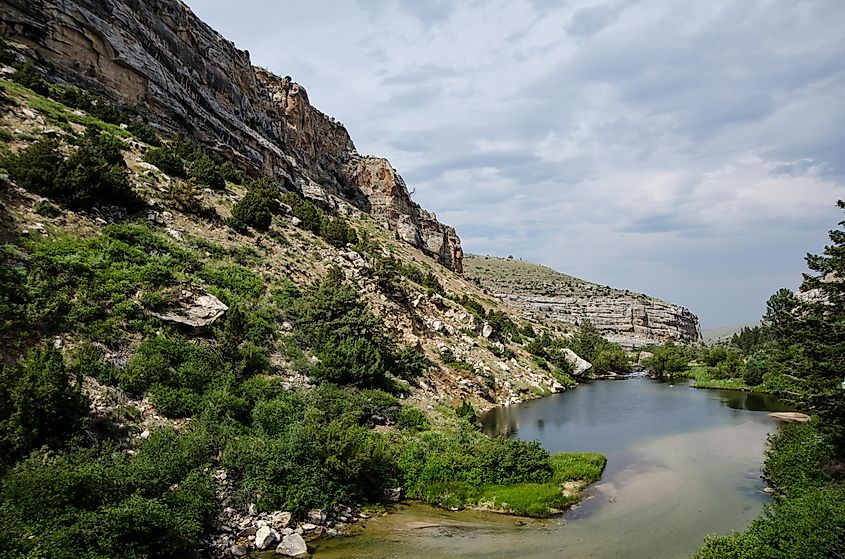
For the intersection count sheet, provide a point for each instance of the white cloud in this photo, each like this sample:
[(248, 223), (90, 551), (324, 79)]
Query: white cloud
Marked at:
[(689, 150)]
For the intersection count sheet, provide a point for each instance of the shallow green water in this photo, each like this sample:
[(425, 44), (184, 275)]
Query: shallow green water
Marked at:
[(682, 463)]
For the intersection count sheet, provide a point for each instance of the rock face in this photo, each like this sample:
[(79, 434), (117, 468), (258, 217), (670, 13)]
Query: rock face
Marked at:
[(157, 56), (193, 308), (630, 319)]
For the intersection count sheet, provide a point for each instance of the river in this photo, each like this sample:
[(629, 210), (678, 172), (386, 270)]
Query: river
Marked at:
[(682, 464)]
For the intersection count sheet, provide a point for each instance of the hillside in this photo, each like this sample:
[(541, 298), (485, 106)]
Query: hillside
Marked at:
[(158, 57), (224, 357), (628, 318)]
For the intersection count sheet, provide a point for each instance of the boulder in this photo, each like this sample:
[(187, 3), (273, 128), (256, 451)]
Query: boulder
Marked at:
[(394, 495), (280, 519), (316, 516), (487, 331), (193, 307), (579, 365), (265, 537), (292, 546), (790, 417), (238, 550)]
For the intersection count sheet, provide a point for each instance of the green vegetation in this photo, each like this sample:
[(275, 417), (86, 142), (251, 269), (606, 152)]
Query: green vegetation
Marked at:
[(94, 173), (257, 207), (606, 357), (334, 231), (807, 517), (797, 353), (86, 302)]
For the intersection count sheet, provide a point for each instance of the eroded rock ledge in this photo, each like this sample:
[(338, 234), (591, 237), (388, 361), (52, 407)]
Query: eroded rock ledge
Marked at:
[(158, 56), (627, 318)]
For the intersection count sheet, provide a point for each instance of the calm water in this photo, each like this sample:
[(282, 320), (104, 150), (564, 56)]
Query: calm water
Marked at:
[(682, 464)]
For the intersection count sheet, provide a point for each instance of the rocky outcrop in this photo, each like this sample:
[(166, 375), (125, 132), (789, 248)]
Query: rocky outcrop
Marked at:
[(630, 319), (157, 56), (194, 308)]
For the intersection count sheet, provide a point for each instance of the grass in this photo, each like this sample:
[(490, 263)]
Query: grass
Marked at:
[(702, 379), (56, 113), (543, 499)]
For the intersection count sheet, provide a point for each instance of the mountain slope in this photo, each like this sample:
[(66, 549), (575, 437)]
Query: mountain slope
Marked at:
[(630, 319), (158, 57)]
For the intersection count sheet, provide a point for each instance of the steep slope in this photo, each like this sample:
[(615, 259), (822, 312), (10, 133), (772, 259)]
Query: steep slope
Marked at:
[(158, 57), (630, 319)]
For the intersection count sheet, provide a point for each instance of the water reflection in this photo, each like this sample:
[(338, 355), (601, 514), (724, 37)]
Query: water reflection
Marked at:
[(751, 401), (682, 463)]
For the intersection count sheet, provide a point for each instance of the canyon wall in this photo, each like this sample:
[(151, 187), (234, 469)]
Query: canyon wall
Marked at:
[(157, 57), (628, 318)]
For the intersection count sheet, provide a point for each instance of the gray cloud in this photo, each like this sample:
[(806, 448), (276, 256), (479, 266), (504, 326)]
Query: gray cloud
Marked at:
[(691, 150)]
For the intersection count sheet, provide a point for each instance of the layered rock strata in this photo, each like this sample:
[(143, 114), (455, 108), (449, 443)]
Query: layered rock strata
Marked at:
[(628, 318), (158, 57)]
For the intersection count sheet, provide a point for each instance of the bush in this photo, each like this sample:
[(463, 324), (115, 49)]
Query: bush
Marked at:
[(353, 361), (29, 76), (175, 371), (96, 172), (100, 503), (338, 233), (34, 167), (412, 419), (305, 211), (668, 359), (166, 159), (38, 405), (144, 132), (207, 172), (257, 207)]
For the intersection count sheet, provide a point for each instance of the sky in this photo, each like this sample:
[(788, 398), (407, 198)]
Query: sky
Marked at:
[(690, 150)]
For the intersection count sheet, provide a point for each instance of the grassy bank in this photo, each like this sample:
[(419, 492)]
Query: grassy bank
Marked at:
[(572, 471), (703, 378)]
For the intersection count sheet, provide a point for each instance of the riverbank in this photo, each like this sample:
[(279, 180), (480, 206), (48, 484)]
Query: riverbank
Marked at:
[(667, 446), (807, 518)]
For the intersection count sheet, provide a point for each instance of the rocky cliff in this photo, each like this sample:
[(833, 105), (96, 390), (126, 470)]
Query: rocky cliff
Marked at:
[(630, 319), (157, 56)]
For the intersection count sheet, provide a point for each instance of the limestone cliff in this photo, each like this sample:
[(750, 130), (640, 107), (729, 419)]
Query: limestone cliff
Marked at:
[(630, 319), (157, 56)]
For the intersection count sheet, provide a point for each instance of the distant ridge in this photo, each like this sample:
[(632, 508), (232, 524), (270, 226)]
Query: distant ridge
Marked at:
[(628, 318)]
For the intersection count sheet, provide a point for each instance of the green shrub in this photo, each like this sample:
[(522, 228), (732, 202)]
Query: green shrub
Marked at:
[(467, 412), (305, 211), (175, 372), (207, 172), (100, 503), (38, 405), (46, 209), (410, 363), (72, 97), (29, 76), (34, 167), (144, 132), (412, 419), (338, 233), (96, 172), (668, 359), (166, 159), (257, 207)]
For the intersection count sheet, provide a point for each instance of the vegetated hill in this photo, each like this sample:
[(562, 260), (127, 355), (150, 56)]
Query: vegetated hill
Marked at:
[(158, 58), (627, 318), (200, 343), (417, 299)]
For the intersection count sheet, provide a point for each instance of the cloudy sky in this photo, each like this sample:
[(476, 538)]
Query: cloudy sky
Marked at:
[(689, 150)]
